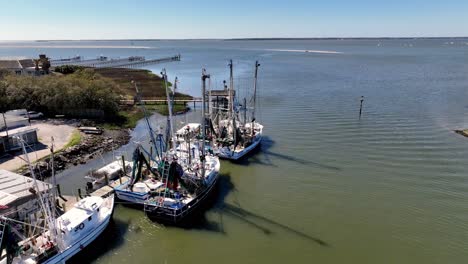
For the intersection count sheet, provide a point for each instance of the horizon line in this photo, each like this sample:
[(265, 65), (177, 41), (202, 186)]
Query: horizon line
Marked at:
[(228, 39)]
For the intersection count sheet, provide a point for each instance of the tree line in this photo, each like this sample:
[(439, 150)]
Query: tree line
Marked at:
[(60, 94)]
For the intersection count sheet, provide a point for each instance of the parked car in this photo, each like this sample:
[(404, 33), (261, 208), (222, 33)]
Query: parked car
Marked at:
[(17, 112), (35, 115)]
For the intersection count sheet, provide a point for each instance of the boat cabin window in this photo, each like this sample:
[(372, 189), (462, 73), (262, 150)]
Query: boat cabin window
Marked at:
[(89, 218)]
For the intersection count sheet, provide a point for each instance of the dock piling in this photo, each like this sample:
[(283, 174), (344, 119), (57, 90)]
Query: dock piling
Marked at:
[(360, 108), (59, 192)]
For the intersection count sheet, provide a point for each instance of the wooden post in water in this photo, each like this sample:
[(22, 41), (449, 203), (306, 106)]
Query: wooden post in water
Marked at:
[(360, 108), (79, 193), (58, 190), (123, 169)]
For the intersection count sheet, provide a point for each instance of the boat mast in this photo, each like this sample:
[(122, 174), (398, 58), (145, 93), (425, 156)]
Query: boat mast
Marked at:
[(169, 106), (231, 99), (254, 96), (148, 125), (231, 87), (174, 93), (52, 161), (202, 158), (45, 208)]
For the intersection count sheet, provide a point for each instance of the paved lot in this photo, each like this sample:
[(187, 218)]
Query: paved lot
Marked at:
[(61, 134)]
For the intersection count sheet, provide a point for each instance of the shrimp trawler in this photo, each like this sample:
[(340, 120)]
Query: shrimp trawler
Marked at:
[(236, 136), (188, 173), (144, 177), (57, 239)]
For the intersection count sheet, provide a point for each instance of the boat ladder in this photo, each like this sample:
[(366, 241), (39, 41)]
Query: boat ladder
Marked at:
[(164, 174)]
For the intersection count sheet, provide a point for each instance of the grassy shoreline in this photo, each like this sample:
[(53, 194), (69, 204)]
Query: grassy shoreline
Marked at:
[(128, 119)]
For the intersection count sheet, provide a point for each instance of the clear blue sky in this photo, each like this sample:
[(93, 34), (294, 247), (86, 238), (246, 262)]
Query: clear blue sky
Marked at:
[(124, 19)]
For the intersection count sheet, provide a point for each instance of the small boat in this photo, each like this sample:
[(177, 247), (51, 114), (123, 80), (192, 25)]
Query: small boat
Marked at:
[(112, 171), (143, 180), (91, 130), (63, 236)]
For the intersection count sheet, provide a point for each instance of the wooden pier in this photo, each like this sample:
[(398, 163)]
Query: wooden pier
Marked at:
[(128, 62), (163, 101)]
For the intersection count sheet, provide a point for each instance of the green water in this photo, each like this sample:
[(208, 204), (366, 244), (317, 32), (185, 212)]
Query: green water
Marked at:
[(325, 187)]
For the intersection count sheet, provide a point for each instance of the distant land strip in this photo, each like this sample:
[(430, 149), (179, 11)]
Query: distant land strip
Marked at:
[(237, 39), (356, 38), (308, 51), (77, 46)]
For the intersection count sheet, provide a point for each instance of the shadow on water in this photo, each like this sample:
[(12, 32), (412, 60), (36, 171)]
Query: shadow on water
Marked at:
[(267, 143), (199, 221), (112, 238), (218, 204), (256, 220)]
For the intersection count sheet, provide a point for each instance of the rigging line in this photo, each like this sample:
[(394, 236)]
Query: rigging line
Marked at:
[(21, 222)]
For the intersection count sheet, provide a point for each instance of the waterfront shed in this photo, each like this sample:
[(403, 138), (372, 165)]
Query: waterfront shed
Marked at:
[(17, 200)]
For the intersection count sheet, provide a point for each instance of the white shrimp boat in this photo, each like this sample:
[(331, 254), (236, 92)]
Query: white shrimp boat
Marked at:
[(237, 137), (62, 237), (236, 152), (188, 174)]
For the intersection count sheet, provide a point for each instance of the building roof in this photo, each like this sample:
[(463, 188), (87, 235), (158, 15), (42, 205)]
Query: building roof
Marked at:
[(14, 187), (26, 63), (10, 64), (18, 131)]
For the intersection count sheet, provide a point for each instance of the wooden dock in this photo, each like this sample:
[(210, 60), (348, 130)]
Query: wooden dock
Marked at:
[(101, 192)]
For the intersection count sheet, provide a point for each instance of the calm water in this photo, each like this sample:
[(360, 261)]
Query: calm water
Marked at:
[(325, 187)]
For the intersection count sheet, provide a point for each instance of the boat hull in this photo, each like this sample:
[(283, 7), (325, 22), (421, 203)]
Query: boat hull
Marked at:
[(182, 215), (77, 247), (131, 198), (229, 155)]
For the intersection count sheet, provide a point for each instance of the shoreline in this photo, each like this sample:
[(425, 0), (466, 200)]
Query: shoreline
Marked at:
[(88, 147)]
